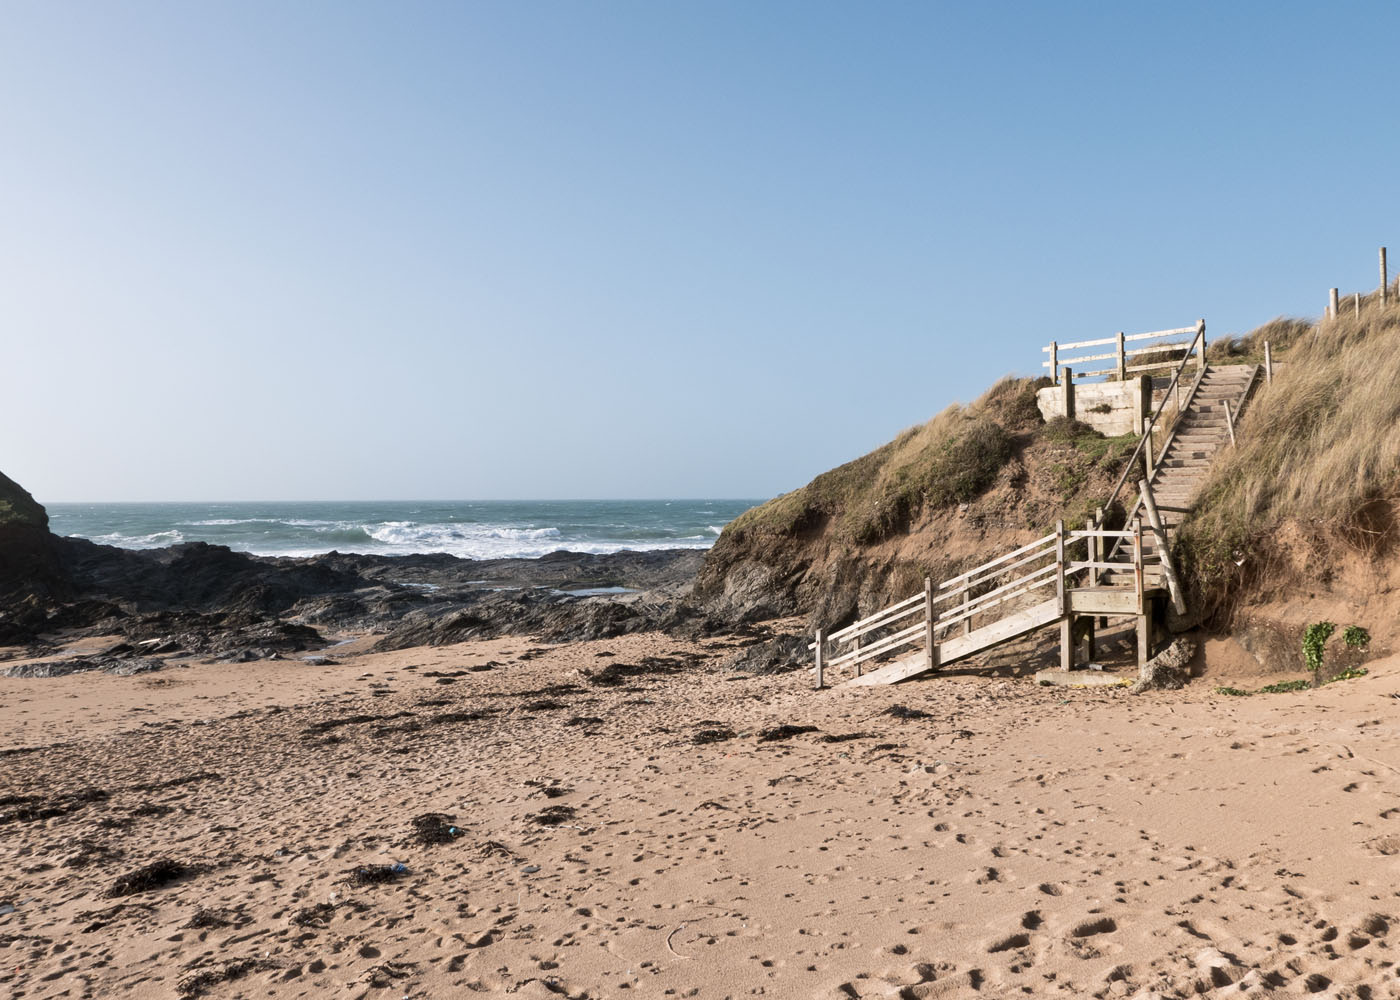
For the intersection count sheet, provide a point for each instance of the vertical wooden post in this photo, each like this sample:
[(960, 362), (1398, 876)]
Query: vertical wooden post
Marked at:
[(855, 648), (1268, 365), (821, 642), (1054, 361), (1164, 555), (1138, 581), (1122, 359), (1147, 448), (1201, 336), (1333, 306), (1066, 618), (1356, 299), (1144, 631), (1100, 519), (930, 651), (1384, 282), (967, 603), (1229, 421), (1060, 566), (1094, 546), (1067, 389)]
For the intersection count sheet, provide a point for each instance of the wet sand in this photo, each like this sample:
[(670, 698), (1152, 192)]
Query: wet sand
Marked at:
[(654, 832)]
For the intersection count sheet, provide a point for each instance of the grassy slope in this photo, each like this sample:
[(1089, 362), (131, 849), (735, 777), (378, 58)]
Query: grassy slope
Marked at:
[(1318, 464), (989, 474)]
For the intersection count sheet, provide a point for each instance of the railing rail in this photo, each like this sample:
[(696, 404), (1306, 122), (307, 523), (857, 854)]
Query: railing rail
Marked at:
[(1165, 344), (868, 638)]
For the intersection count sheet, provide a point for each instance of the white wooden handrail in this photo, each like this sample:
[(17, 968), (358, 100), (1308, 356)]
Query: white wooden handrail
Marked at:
[(1179, 331)]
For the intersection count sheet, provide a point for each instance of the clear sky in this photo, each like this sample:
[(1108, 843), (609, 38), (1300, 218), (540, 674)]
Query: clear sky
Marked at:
[(348, 250)]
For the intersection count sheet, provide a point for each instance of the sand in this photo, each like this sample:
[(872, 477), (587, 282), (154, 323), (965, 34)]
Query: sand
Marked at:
[(965, 836)]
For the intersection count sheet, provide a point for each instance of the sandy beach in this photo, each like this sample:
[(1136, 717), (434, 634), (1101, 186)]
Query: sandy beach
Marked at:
[(622, 816)]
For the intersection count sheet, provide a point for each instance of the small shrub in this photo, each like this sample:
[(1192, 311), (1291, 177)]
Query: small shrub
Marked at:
[(1315, 638), (1350, 674), (1356, 637), (1232, 692)]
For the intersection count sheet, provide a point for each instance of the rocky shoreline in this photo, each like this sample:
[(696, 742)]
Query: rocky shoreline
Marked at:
[(197, 600)]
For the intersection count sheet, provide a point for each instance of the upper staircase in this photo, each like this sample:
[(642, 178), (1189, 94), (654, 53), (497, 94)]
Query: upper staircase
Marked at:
[(1120, 572)]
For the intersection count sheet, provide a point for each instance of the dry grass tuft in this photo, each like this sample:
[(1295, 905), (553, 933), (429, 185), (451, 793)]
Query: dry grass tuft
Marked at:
[(1319, 449)]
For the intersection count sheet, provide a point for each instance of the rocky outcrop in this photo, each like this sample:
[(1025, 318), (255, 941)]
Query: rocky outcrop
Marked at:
[(30, 574)]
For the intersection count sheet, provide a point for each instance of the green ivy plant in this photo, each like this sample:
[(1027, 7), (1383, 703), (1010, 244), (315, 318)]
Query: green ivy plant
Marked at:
[(1315, 637), (1356, 637), (1350, 674)]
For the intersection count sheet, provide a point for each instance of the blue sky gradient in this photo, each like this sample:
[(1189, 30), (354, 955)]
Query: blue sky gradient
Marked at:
[(347, 250)]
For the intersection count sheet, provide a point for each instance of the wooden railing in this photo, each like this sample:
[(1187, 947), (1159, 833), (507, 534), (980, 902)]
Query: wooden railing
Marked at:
[(1165, 342), (1151, 455), (962, 602)]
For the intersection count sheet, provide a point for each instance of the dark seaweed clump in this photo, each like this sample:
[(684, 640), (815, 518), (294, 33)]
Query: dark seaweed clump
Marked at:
[(152, 876), (784, 733), (434, 828)]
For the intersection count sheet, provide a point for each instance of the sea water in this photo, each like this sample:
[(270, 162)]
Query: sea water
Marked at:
[(488, 529)]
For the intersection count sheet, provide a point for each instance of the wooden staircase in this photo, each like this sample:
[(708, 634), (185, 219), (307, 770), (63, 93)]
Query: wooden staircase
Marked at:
[(1122, 572), (1204, 428)]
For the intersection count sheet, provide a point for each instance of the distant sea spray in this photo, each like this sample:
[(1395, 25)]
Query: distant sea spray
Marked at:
[(489, 529)]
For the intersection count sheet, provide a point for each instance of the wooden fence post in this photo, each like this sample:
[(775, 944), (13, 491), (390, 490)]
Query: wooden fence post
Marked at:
[(1268, 365), (1054, 362), (1384, 282), (855, 648), (1122, 359), (1062, 601), (1229, 422), (1060, 566), (1137, 561), (1333, 306), (1201, 335), (930, 652), (1356, 298), (967, 603), (820, 644), (1067, 389)]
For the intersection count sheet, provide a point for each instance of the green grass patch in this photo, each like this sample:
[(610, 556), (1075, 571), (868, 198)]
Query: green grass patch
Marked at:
[(1349, 674), (1284, 686), (1232, 692)]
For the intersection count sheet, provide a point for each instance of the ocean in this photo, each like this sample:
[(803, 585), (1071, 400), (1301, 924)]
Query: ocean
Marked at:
[(488, 529)]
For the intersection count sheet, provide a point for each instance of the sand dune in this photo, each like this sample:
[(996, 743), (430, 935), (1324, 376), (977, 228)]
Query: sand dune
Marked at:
[(654, 831)]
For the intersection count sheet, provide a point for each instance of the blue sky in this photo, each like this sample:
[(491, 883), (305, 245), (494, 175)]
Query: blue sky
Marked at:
[(355, 250)]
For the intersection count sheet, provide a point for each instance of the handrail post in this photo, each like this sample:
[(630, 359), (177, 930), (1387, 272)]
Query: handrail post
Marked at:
[(1122, 360), (1067, 389), (1229, 421), (967, 603), (1268, 365), (1147, 449), (1094, 544), (855, 648), (1054, 363), (819, 659), (1201, 336), (1164, 554), (1137, 561), (1060, 566), (930, 653)]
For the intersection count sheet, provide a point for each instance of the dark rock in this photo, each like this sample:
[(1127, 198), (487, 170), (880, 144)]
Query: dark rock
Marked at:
[(121, 666), (778, 655)]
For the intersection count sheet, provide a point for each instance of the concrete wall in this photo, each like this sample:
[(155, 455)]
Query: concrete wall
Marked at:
[(1111, 408)]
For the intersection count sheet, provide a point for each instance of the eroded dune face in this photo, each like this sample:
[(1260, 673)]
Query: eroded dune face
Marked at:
[(579, 819)]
